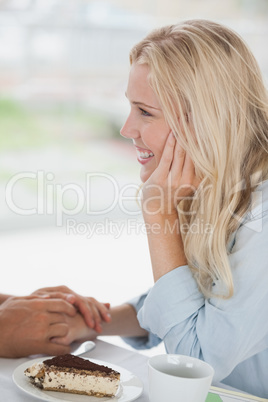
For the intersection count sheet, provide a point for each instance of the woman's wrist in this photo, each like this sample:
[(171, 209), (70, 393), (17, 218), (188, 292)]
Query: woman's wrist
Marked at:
[(163, 221), (165, 243)]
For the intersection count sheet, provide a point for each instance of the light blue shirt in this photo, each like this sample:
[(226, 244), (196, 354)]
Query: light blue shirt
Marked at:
[(230, 334)]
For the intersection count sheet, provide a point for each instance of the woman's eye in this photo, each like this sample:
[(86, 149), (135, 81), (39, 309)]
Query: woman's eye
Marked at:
[(144, 113)]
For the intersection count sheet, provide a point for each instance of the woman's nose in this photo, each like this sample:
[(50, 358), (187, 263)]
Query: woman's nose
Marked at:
[(129, 129)]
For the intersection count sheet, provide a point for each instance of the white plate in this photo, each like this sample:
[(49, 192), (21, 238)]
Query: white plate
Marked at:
[(130, 386)]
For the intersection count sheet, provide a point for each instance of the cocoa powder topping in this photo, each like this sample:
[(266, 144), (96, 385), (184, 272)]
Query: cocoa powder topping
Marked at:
[(76, 362)]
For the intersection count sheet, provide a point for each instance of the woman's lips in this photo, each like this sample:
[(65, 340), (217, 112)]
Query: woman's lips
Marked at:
[(144, 155)]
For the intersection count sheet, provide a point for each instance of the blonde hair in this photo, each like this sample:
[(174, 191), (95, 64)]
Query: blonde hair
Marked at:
[(214, 100)]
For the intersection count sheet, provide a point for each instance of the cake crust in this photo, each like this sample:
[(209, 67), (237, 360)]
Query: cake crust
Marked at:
[(69, 391)]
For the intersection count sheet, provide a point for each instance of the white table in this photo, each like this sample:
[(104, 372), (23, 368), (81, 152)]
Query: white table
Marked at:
[(132, 361)]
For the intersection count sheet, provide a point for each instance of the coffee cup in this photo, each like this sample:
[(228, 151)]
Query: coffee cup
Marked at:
[(178, 378)]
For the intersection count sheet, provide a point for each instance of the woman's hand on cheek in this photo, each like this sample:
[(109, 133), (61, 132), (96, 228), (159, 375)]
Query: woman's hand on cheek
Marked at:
[(173, 180)]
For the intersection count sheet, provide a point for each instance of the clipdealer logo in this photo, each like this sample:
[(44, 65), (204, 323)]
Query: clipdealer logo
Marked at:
[(52, 198)]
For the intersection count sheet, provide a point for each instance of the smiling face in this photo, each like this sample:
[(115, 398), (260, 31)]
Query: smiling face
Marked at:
[(146, 124)]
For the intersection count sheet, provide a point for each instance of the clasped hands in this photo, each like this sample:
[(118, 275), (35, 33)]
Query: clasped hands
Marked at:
[(93, 311), (48, 321)]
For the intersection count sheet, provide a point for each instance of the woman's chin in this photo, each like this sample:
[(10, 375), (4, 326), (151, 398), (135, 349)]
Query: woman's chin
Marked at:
[(145, 173), (144, 176), (147, 169)]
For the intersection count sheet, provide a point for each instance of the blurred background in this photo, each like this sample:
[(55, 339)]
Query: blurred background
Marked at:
[(68, 208)]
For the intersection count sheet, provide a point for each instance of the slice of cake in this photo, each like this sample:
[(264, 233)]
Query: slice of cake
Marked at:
[(68, 373)]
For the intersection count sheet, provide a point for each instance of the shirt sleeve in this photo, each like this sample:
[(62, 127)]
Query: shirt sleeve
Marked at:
[(141, 342), (223, 332)]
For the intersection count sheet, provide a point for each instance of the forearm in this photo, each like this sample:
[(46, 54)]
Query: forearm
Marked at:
[(165, 243), (124, 322)]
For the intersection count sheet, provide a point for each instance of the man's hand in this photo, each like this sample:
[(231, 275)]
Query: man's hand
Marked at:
[(29, 323)]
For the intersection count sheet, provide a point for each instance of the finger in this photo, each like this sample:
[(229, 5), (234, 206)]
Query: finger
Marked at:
[(167, 156), (93, 311), (104, 311), (91, 314), (57, 330), (60, 306), (188, 174), (189, 182), (96, 318), (35, 296), (55, 349), (60, 340), (100, 310), (52, 289), (70, 298), (53, 295), (85, 311), (56, 295), (178, 162), (55, 318)]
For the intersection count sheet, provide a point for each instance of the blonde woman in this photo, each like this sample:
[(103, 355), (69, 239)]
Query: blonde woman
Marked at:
[(199, 122)]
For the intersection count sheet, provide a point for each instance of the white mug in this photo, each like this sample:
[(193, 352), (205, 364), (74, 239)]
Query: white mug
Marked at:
[(178, 378)]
